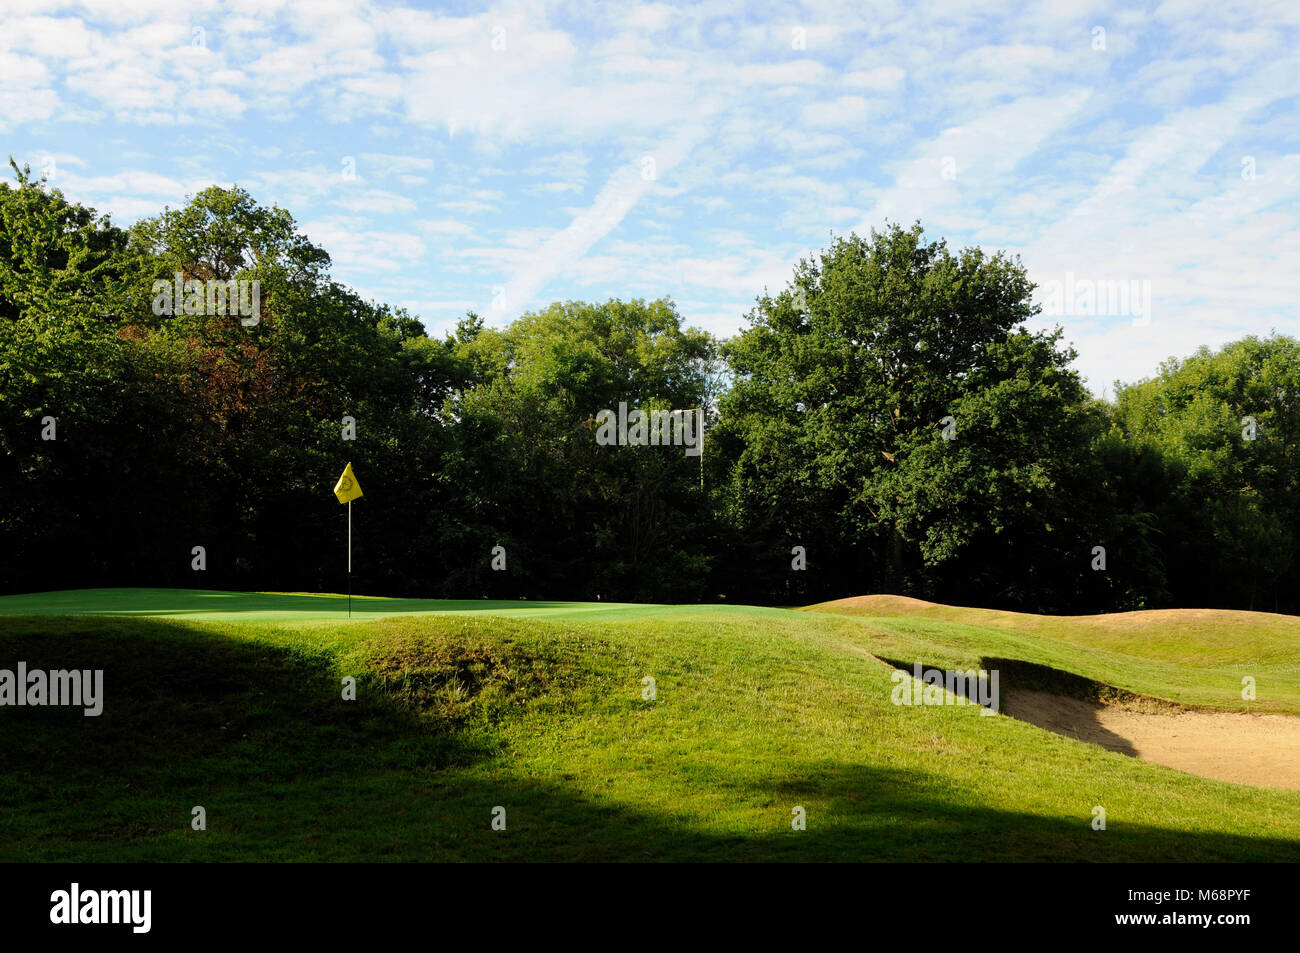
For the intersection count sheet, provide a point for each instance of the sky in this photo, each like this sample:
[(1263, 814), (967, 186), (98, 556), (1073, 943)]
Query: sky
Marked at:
[(1143, 160)]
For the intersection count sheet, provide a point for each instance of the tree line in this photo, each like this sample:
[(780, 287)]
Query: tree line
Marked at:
[(885, 423)]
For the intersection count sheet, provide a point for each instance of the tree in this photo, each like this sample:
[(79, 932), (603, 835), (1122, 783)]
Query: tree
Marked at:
[(575, 517), (63, 372), (889, 409), (1227, 425)]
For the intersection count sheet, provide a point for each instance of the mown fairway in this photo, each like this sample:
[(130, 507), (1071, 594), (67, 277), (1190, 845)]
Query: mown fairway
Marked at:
[(232, 702)]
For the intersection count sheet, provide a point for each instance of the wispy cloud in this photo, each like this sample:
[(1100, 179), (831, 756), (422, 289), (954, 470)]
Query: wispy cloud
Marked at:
[(495, 159)]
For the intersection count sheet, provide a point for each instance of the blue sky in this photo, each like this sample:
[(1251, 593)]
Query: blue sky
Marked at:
[(498, 158)]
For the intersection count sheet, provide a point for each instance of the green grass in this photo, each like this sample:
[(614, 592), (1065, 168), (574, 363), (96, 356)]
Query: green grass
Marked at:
[(232, 701), (1195, 657), (268, 606)]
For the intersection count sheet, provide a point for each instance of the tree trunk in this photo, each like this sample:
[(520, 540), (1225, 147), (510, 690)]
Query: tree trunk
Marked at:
[(895, 575)]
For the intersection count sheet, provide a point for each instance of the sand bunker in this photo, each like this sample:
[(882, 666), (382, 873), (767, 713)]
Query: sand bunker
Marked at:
[(1263, 750)]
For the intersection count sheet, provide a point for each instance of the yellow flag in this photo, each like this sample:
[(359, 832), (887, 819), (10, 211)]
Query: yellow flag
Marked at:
[(347, 489)]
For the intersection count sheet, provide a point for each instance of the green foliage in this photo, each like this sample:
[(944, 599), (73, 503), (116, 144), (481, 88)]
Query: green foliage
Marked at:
[(844, 384), (826, 423), (1232, 508), (620, 522)]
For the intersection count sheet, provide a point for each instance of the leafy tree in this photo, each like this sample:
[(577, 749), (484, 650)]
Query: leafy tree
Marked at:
[(63, 372), (1227, 423), (575, 517), (888, 411), (847, 383)]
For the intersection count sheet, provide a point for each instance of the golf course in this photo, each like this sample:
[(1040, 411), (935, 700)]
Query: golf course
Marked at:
[(523, 730)]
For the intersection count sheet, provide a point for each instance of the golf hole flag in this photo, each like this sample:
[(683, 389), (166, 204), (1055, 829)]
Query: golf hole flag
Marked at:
[(347, 489)]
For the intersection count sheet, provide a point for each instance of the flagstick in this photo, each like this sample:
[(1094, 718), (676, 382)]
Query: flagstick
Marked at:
[(701, 448), (350, 559)]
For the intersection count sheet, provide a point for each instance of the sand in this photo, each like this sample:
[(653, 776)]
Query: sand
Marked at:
[(1262, 750)]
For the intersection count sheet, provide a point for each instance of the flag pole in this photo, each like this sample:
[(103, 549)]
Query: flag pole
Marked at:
[(349, 559), (347, 490), (701, 446)]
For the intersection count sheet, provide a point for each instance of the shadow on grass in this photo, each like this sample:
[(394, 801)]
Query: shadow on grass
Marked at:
[(167, 602), (259, 736), (186, 710), (1018, 680)]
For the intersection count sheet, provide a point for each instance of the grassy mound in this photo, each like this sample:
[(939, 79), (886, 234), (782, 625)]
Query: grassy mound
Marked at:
[(1190, 656), (540, 710)]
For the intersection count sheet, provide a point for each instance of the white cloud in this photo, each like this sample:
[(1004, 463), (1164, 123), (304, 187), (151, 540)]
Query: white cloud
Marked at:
[(351, 246), (386, 163), (624, 188), (21, 106), (375, 201), (998, 125), (844, 111), (880, 79)]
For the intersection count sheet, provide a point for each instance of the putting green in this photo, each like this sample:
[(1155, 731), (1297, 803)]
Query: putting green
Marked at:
[(277, 606)]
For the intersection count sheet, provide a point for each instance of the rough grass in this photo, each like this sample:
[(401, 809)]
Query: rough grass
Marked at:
[(758, 711), (1190, 656)]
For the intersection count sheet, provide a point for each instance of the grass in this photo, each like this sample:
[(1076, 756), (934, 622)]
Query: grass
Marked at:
[(269, 606), (1194, 657), (233, 702)]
